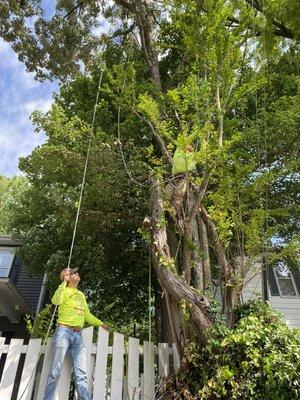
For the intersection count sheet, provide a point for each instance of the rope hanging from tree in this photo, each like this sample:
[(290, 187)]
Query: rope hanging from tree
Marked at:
[(77, 215)]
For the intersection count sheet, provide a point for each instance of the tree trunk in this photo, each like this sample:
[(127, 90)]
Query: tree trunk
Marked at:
[(176, 286), (162, 323)]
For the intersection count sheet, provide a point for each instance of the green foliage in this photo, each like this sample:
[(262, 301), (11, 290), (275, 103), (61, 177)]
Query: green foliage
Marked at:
[(12, 192), (109, 251), (228, 70), (258, 359), (39, 328)]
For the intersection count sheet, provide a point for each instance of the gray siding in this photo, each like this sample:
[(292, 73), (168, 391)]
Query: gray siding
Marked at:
[(30, 287), (288, 306)]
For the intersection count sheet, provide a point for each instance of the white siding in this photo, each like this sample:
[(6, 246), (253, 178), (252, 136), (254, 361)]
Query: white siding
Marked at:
[(288, 306), (253, 287)]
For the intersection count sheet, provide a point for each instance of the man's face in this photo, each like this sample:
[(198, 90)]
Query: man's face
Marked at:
[(74, 277)]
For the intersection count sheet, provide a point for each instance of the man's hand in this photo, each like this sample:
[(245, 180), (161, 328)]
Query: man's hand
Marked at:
[(67, 275), (106, 327)]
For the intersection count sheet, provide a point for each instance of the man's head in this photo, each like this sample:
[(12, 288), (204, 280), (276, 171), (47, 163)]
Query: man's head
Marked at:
[(70, 275), (189, 148)]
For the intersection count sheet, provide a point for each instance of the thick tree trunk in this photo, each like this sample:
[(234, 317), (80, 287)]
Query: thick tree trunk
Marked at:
[(176, 286), (163, 326)]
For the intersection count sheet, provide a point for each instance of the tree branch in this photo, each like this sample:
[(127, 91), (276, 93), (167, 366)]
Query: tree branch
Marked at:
[(126, 4), (200, 193), (283, 30), (124, 32), (157, 136), (73, 9), (218, 246), (176, 72)]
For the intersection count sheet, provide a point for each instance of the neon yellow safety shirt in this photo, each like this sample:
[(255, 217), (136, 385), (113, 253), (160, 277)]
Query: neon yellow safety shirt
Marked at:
[(183, 162), (73, 309)]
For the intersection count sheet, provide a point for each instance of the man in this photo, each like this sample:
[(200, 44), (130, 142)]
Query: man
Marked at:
[(73, 312), (183, 163), (184, 160)]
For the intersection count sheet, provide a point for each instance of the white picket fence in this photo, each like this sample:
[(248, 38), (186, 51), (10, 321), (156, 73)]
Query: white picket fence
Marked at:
[(123, 371)]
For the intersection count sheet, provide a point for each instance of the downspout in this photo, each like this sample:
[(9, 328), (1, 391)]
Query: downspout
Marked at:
[(264, 279), (41, 297)]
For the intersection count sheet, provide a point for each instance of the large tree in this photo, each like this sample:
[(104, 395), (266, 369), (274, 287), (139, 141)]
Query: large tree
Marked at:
[(204, 79)]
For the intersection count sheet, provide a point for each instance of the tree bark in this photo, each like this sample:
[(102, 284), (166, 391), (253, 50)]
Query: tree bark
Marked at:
[(207, 281), (176, 286), (229, 278)]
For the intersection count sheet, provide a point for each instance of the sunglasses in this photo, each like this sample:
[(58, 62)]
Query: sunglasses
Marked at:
[(73, 271)]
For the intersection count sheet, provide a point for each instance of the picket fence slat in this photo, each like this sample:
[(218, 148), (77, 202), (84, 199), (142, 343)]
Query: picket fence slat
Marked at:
[(117, 367), (63, 387), (142, 386), (101, 365), (133, 369), (105, 383), (87, 336), (163, 360), (39, 394), (28, 374), (10, 369), (125, 388), (149, 379)]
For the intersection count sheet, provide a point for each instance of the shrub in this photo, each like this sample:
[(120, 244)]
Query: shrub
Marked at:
[(40, 327), (259, 359)]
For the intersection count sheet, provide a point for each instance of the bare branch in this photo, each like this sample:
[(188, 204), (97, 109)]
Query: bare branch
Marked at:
[(200, 192), (73, 9), (124, 32), (176, 72)]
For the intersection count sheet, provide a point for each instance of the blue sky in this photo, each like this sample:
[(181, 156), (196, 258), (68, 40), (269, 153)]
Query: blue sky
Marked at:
[(20, 95)]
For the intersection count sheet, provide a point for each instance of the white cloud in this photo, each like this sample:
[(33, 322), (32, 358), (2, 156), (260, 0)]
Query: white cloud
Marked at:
[(20, 95), (42, 105)]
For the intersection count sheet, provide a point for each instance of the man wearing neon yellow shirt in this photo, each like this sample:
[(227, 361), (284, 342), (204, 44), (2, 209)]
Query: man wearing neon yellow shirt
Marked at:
[(73, 313)]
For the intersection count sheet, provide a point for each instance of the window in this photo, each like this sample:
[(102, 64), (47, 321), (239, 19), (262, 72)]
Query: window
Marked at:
[(6, 259), (285, 280)]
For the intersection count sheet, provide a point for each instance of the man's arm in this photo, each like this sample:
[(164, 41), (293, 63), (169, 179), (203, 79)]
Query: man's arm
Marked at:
[(58, 297), (90, 318)]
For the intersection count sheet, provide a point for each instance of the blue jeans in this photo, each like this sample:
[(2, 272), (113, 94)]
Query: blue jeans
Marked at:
[(66, 340)]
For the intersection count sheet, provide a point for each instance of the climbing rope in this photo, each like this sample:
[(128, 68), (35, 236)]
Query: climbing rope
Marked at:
[(76, 219), (81, 189)]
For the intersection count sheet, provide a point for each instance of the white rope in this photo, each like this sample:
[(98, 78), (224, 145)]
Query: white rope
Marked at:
[(76, 222), (85, 168)]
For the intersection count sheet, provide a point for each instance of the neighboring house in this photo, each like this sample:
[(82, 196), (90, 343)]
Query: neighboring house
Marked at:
[(20, 293), (280, 286)]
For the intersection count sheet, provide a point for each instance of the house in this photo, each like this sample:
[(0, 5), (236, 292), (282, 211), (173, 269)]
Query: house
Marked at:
[(278, 284), (20, 292)]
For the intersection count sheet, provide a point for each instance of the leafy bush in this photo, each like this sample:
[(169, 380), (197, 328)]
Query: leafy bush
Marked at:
[(258, 359), (40, 327)]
